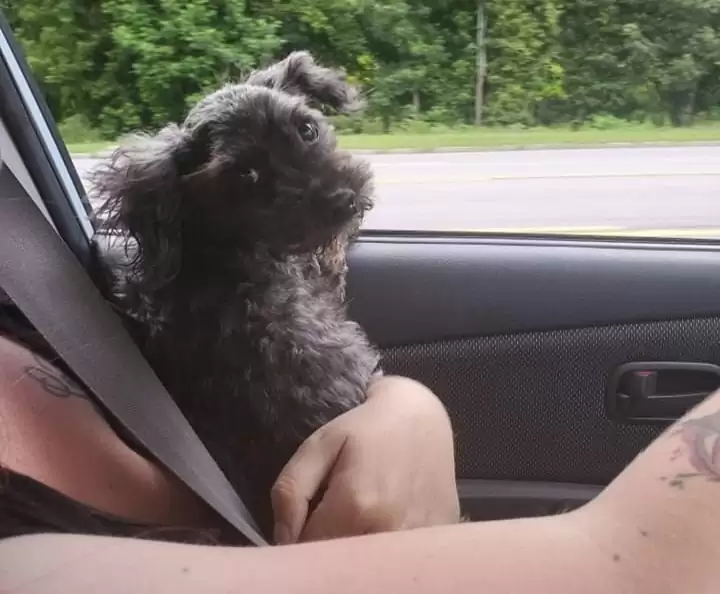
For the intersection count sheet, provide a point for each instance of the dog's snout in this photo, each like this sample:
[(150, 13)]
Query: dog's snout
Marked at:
[(353, 205), (343, 198)]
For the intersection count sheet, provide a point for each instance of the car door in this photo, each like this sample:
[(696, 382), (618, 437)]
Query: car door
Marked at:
[(522, 339), (522, 334)]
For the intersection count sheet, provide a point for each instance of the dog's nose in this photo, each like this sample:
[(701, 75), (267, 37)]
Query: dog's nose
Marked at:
[(344, 199)]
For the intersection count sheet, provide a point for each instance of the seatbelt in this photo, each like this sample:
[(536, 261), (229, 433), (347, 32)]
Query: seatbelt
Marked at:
[(47, 283)]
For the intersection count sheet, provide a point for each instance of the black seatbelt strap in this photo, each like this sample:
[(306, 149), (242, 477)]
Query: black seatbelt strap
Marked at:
[(47, 283)]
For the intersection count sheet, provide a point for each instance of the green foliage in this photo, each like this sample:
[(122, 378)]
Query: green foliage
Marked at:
[(525, 70), (678, 46), (178, 49), (116, 65), (606, 122), (77, 129)]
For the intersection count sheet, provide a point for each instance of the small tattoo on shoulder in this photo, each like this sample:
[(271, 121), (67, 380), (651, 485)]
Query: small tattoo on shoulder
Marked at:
[(53, 381)]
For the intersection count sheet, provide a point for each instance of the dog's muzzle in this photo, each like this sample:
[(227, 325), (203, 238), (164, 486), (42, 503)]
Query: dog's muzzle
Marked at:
[(348, 203)]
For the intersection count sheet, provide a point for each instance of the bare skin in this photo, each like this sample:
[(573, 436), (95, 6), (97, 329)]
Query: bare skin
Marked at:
[(652, 531), (51, 431), (387, 465)]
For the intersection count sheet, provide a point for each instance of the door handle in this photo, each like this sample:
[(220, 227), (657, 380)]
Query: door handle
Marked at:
[(660, 391)]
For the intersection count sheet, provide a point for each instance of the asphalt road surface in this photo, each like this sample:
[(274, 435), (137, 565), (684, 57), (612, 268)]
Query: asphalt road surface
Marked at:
[(669, 191)]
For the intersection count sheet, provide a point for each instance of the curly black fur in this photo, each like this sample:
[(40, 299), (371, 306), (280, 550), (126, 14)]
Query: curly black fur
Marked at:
[(239, 219)]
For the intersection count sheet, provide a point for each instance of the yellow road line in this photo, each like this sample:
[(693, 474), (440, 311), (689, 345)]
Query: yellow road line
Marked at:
[(541, 230), (418, 179), (710, 233), (678, 233)]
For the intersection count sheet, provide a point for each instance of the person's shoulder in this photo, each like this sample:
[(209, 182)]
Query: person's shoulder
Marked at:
[(42, 412), (33, 390), (52, 432), (26, 376)]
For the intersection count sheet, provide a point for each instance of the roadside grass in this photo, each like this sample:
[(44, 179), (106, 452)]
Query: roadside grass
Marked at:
[(497, 138), (89, 148), (483, 138)]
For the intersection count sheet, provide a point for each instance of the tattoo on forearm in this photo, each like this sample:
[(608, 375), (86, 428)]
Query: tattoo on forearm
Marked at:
[(53, 381), (701, 438)]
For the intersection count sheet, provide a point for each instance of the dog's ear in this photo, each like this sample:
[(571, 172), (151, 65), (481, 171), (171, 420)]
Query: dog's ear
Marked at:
[(298, 74), (142, 190)]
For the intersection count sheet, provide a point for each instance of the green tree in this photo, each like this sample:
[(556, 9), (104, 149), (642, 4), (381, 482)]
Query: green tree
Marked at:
[(58, 48), (179, 49), (601, 75), (523, 55), (409, 59), (331, 29), (678, 43), (127, 64)]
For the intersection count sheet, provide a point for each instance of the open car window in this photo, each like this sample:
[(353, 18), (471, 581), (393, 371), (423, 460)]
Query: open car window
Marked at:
[(32, 148)]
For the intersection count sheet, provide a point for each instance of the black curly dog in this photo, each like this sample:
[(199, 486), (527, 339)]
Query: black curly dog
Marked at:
[(236, 224)]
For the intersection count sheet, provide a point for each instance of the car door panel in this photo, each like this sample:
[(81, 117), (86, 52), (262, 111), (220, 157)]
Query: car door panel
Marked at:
[(407, 290), (484, 499), (520, 339)]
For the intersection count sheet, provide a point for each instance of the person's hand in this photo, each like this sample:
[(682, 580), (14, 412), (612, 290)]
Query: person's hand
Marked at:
[(388, 464)]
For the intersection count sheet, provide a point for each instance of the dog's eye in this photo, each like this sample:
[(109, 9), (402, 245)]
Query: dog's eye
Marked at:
[(308, 132)]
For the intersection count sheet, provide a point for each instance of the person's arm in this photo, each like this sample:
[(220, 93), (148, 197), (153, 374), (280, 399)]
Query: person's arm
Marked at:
[(51, 432), (537, 556), (653, 531), (667, 503), (386, 465)]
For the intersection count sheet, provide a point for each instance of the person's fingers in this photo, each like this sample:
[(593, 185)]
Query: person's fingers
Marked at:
[(335, 516), (347, 509), (300, 480)]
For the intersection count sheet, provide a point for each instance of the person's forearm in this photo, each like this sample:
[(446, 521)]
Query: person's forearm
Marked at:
[(652, 531), (537, 556), (669, 498)]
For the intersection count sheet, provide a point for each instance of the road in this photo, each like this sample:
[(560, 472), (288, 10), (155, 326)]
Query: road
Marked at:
[(671, 191)]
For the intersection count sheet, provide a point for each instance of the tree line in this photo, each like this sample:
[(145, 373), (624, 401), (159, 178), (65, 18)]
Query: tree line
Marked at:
[(127, 64)]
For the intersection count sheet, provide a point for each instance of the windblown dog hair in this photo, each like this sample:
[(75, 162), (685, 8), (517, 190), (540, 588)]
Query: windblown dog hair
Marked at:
[(240, 219)]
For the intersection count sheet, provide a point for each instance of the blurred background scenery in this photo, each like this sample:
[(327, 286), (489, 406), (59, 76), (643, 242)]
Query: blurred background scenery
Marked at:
[(459, 75)]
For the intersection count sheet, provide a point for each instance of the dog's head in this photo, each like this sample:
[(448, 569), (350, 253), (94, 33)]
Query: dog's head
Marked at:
[(254, 164)]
